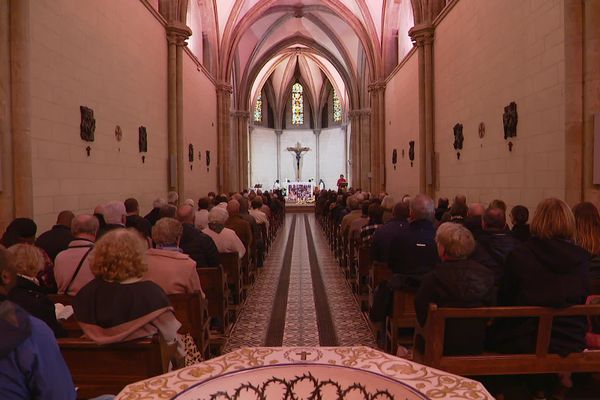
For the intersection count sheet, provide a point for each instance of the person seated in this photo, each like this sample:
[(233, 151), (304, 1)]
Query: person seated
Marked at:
[(237, 224), (134, 220), (58, 238), (152, 216), (355, 212), (169, 211), (31, 365), (497, 203), (519, 215), (260, 217), (225, 239), (494, 243), (415, 250), (387, 203), (359, 223), (115, 217), (458, 212), (266, 208), (23, 230), (442, 208), (258, 244), (173, 198), (385, 235), (457, 282), (474, 219), (549, 270), (168, 267), (28, 293), (375, 221), (118, 305), (72, 268), (201, 220), (199, 246), (587, 223)]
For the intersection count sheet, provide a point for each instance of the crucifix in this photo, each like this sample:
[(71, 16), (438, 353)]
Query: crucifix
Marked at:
[(298, 150), (303, 355)]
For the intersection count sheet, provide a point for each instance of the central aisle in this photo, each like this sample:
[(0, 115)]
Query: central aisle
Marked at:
[(300, 297)]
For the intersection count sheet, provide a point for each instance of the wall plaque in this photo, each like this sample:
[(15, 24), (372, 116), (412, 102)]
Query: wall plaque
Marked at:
[(88, 124)]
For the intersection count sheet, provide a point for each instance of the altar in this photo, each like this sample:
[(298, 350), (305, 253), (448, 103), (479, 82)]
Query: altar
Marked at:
[(299, 191), (306, 372)]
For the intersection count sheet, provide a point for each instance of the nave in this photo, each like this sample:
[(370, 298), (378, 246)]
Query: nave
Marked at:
[(300, 297)]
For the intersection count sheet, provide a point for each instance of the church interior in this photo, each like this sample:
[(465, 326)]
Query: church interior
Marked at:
[(351, 199)]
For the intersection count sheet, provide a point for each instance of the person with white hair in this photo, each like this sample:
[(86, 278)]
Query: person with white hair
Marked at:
[(225, 239), (387, 204), (173, 198), (190, 202), (115, 216)]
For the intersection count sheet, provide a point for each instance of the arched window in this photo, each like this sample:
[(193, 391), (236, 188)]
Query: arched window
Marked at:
[(337, 108), (297, 105), (258, 109)]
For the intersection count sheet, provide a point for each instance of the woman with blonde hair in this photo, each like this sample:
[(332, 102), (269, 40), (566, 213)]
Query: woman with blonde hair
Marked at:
[(28, 293), (118, 305), (549, 270), (587, 223)]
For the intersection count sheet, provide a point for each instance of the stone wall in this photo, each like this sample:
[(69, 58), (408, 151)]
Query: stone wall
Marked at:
[(263, 157), (110, 56), (402, 126), (488, 54), (200, 129)]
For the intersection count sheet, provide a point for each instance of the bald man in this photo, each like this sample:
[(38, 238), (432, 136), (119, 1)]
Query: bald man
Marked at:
[(473, 221), (199, 246), (237, 224), (58, 238), (72, 266)]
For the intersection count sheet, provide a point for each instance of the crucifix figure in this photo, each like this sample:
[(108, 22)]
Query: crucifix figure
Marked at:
[(298, 150)]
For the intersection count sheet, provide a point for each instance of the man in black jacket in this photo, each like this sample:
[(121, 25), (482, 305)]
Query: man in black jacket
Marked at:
[(58, 238), (494, 243), (194, 243)]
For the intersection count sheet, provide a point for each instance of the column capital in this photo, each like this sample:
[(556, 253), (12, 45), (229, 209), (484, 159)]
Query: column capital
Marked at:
[(376, 86), (278, 132), (225, 87), (178, 33), (364, 112), (422, 34), (239, 114), (317, 132)]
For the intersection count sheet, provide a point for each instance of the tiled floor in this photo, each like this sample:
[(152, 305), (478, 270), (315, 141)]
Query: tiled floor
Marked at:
[(302, 318)]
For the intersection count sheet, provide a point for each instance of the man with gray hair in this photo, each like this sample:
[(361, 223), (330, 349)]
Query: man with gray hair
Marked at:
[(413, 251), (71, 266), (354, 214), (115, 216), (225, 239), (173, 198), (152, 216)]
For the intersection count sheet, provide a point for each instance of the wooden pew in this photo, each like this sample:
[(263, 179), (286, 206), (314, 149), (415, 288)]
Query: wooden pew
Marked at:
[(403, 317), (107, 369), (361, 276), (378, 272), (192, 312), (540, 362), (214, 285), (233, 269)]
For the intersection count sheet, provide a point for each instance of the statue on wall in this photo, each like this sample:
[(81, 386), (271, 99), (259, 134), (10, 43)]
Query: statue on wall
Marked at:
[(510, 120), (88, 124), (394, 157), (411, 152), (298, 150), (190, 152), (143, 139), (207, 160), (458, 139)]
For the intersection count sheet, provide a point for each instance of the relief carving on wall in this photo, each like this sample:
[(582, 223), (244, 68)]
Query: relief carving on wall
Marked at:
[(394, 157), (207, 160), (143, 141), (510, 120), (191, 155), (458, 139), (411, 152), (88, 124)]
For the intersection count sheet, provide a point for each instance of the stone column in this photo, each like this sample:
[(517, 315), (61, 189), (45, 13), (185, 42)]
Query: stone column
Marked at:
[(224, 91), (365, 151), (377, 94), (423, 35), (591, 88), (250, 130), (20, 84), (177, 34), (241, 126), (317, 133), (6, 185), (354, 158), (278, 133), (345, 132)]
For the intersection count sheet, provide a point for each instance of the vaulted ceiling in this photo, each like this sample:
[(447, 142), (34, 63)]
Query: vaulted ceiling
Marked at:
[(349, 43)]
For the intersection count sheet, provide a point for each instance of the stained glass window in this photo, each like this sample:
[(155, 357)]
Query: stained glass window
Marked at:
[(258, 109), (297, 105), (337, 107)]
